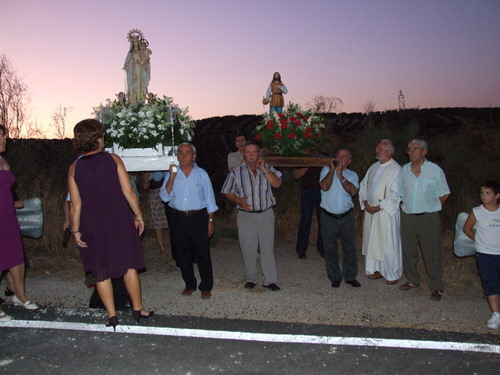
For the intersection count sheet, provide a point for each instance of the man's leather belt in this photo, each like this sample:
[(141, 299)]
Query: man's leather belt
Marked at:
[(253, 212), (336, 216), (418, 214), (186, 213)]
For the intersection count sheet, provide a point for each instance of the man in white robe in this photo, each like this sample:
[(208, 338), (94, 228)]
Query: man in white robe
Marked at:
[(379, 198)]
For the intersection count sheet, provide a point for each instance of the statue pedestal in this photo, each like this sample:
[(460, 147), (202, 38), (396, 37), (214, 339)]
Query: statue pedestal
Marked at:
[(296, 161), (145, 159), (156, 151), (148, 163)]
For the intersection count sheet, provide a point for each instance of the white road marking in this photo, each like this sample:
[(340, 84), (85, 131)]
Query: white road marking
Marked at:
[(260, 337)]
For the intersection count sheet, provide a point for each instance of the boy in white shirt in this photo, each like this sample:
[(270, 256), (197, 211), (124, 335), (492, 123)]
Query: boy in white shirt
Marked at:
[(486, 238)]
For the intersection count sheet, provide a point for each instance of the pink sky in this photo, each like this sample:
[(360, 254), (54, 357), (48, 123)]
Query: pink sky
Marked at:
[(217, 57)]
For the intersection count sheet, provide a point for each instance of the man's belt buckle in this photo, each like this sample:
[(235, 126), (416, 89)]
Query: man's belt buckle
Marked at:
[(337, 216), (253, 212), (187, 213)]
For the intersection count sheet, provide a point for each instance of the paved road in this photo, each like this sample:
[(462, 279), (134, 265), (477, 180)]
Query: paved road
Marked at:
[(69, 341)]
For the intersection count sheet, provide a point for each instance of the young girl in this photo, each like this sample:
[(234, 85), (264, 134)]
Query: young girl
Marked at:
[(486, 218)]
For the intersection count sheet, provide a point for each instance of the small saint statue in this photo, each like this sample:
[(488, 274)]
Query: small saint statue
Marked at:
[(274, 94)]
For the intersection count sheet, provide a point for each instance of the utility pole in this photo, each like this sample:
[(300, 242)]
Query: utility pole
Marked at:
[(401, 100), (401, 104)]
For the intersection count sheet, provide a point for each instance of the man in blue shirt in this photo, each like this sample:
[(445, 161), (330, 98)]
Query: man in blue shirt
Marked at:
[(189, 193), (423, 190), (338, 185)]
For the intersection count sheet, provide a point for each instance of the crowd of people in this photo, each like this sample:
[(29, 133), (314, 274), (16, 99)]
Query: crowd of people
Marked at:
[(401, 206)]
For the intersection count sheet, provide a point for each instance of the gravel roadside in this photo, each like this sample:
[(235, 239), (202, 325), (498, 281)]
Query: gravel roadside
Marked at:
[(306, 295)]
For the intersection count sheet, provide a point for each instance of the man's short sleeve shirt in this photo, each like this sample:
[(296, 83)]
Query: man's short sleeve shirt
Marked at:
[(421, 194), (337, 200)]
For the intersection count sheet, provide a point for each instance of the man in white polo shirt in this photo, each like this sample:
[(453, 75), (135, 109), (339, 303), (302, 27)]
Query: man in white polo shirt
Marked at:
[(423, 190)]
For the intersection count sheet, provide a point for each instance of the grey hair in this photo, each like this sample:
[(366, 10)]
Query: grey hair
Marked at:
[(421, 142), (188, 144), (389, 142), (345, 149)]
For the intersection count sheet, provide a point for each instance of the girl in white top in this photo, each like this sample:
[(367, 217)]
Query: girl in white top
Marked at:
[(486, 219)]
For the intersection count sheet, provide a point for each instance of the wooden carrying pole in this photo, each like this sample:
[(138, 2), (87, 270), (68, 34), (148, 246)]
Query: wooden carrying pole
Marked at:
[(299, 161)]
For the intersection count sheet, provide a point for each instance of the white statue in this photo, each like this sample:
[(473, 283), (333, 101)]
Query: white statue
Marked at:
[(137, 67)]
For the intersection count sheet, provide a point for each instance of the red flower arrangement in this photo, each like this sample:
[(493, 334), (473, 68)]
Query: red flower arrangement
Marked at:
[(290, 133)]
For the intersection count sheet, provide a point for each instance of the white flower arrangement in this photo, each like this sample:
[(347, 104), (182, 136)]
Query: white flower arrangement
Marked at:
[(145, 124)]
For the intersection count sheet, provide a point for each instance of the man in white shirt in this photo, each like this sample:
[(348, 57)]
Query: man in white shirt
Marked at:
[(423, 189)]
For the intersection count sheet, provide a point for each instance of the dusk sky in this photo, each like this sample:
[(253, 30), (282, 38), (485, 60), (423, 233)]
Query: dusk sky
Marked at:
[(217, 57)]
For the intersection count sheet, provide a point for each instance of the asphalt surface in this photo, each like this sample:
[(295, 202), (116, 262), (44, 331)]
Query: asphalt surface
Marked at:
[(60, 341), (306, 328)]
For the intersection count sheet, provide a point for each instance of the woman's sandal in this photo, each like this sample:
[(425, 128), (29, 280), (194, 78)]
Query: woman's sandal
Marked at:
[(5, 318), (112, 322), (137, 315)]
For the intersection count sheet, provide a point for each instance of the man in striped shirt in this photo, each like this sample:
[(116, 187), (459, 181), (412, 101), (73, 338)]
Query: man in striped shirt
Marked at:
[(249, 186)]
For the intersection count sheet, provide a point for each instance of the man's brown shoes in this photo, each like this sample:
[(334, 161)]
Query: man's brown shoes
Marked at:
[(205, 294), (375, 276), (436, 295), (408, 286), (188, 292)]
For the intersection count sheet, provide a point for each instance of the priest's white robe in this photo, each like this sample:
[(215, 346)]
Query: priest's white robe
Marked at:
[(381, 231)]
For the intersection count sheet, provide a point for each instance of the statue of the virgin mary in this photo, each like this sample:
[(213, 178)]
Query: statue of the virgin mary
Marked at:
[(137, 67)]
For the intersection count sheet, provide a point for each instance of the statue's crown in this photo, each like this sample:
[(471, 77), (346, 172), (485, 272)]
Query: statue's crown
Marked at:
[(134, 34)]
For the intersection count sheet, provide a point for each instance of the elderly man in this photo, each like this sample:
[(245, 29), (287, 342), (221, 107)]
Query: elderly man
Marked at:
[(379, 198), (338, 185), (249, 187), (423, 188), (190, 196)]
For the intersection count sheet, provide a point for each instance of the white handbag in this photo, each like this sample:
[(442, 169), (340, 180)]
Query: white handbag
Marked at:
[(463, 246), (30, 218)]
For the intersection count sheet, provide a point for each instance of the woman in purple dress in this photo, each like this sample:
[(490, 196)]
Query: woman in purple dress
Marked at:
[(106, 219), (11, 245)]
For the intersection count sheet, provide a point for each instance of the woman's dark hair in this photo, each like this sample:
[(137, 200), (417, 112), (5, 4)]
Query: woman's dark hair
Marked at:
[(3, 129), (240, 134), (86, 135)]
